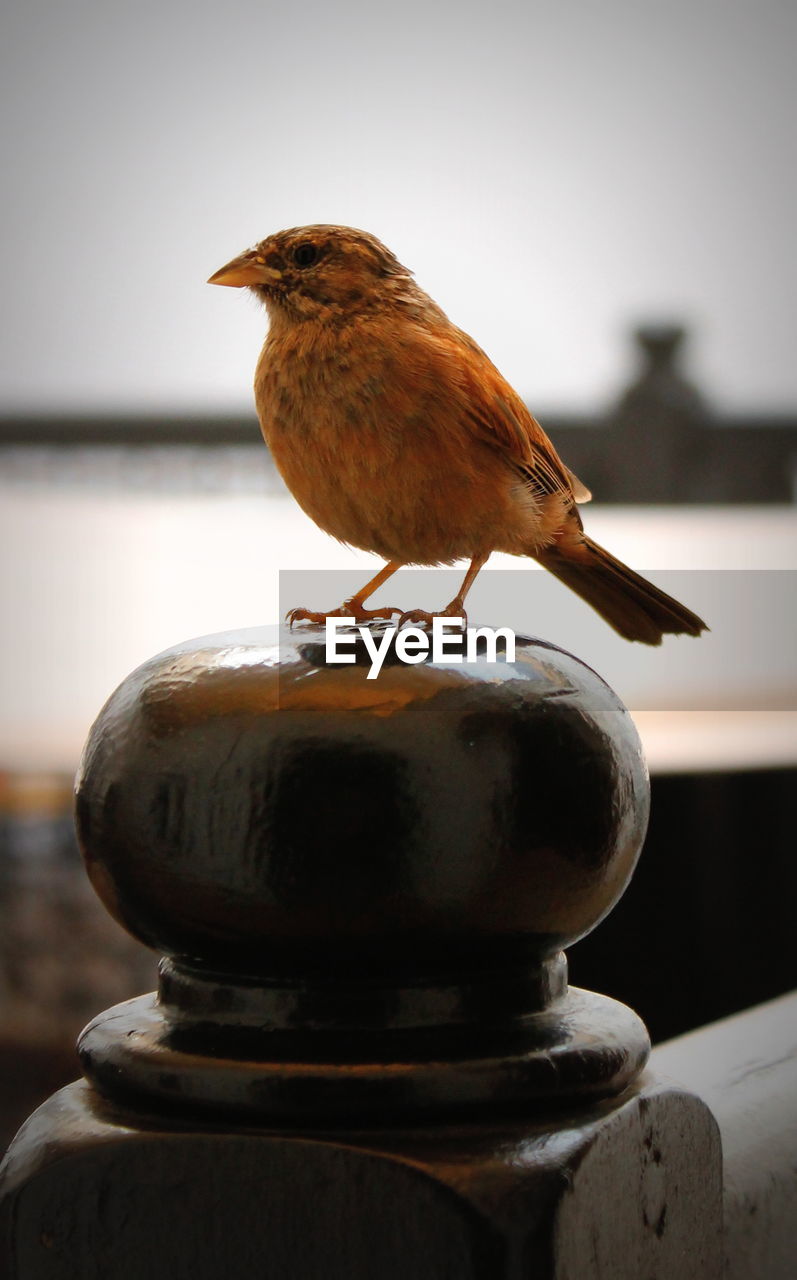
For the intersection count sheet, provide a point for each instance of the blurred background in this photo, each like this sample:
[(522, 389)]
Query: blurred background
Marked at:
[(604, 196)]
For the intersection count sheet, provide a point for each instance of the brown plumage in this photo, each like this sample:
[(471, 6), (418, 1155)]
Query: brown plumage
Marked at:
[(396, 433)]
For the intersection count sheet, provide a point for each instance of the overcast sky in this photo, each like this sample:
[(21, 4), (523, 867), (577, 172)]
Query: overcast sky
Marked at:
[(552, 172)]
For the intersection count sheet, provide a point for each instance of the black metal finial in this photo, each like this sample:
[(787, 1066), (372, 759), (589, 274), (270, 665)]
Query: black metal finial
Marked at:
[(361, 887)]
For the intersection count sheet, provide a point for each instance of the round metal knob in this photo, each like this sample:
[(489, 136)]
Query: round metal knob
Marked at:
[(323, 856)]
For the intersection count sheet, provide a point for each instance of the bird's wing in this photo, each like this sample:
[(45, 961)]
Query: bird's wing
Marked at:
[(499, 416)]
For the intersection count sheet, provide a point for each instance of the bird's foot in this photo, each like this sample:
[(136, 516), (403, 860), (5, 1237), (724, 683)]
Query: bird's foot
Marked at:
[(349, 609), (420, 618)]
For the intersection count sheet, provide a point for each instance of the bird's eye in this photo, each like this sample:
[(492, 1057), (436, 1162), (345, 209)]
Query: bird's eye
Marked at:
[(304, 255)]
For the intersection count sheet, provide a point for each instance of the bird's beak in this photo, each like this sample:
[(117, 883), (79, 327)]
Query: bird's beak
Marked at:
[(248, 268)]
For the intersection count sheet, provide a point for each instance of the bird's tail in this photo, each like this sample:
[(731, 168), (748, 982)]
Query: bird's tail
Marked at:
[(626, 600)]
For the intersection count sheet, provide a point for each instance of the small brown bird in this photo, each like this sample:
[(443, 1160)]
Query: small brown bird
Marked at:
[(396, 433)]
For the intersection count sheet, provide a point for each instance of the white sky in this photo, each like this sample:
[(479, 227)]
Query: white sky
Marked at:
[(552, 172)]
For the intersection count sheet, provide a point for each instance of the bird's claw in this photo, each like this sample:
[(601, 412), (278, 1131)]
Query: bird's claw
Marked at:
[(303, 615), (383, 614), (349, 609), (420, 617)]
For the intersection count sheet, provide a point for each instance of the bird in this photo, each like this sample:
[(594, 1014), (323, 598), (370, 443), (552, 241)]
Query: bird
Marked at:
[(397, 434)]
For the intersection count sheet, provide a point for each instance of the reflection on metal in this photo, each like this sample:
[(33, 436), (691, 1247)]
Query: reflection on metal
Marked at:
[(374, 876)]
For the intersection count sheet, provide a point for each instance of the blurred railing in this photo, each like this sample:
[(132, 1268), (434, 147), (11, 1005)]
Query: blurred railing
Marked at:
[(660, 443)]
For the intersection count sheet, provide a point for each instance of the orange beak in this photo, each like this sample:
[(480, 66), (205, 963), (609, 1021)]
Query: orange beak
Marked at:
[(248, 268)]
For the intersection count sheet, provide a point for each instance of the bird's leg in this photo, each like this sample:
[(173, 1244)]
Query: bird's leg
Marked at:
[(353, 607), (456, 609)]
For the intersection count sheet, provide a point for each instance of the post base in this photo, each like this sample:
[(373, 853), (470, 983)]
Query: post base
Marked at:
[(584, 1046), (624, 1189)]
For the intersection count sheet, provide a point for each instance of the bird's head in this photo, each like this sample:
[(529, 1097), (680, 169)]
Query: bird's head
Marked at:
[(317, 272)]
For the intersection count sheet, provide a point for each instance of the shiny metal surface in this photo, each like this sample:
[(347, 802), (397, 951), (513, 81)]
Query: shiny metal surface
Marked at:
[(245, 806), (361, 887), (586, 1046)]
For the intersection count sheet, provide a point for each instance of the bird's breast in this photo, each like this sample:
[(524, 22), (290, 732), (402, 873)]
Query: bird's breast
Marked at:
[(367, 437), (322, 411)]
